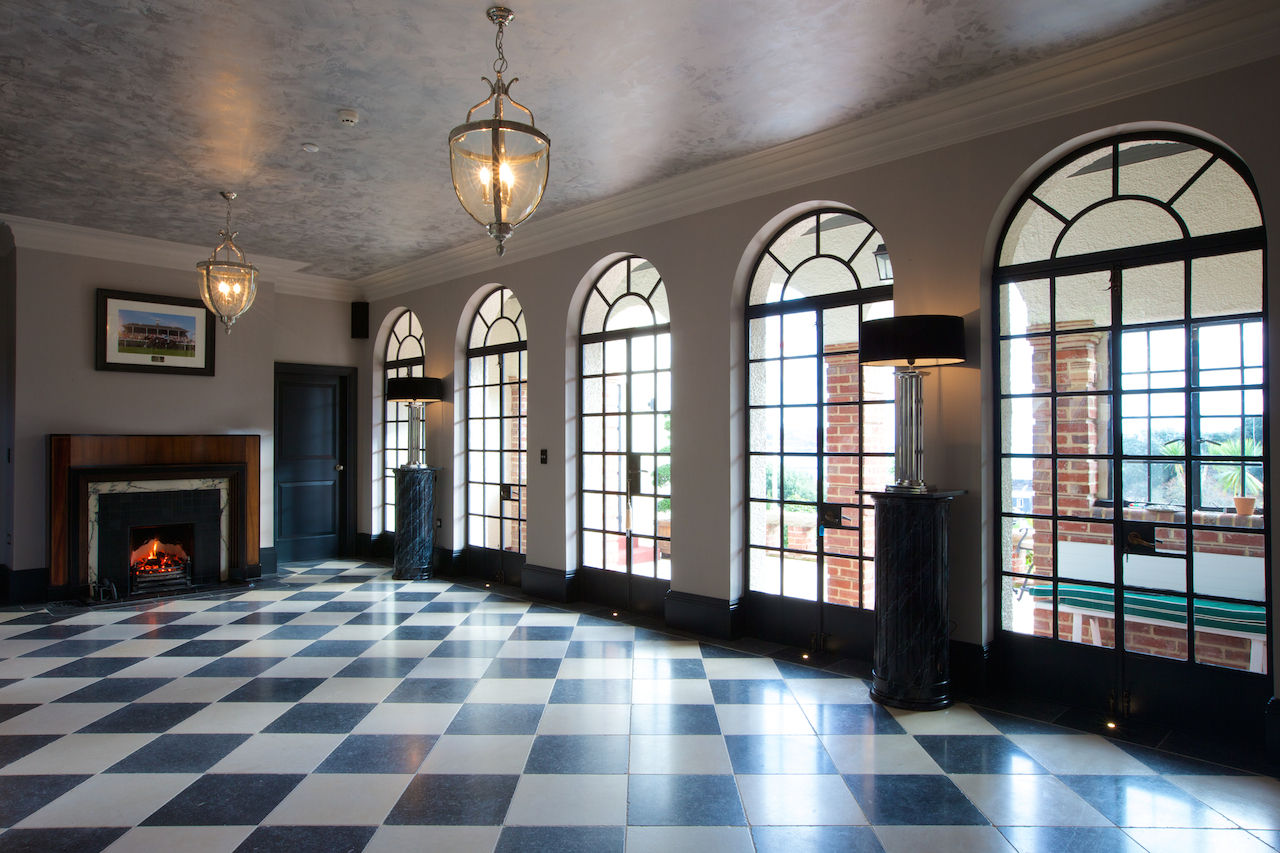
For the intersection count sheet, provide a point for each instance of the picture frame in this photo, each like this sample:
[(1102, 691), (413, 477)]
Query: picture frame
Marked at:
[(153, 333)]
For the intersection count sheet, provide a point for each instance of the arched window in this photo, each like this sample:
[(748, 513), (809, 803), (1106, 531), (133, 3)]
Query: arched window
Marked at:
[(625, 376), (820, 426), (497, 376), (404, 356), (1131, 363)]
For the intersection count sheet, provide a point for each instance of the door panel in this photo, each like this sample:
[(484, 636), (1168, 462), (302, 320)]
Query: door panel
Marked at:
[(312, 456)]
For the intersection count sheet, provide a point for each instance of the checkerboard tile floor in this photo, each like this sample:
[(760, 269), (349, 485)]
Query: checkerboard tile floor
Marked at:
[(341, 710)]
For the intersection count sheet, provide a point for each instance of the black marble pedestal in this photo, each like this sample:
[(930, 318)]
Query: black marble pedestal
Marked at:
[(912, 665), (415, 523)]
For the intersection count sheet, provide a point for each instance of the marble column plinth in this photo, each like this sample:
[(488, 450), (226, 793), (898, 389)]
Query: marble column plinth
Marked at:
[(415, 523), (912, 665)]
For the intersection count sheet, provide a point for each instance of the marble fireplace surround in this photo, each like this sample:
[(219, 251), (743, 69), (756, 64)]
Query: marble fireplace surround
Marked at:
[(83, 467)]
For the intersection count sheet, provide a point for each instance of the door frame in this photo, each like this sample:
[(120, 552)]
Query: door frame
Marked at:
[(347, 412)]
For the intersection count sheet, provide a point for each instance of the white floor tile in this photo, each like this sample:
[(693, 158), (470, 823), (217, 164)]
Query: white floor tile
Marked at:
[(763, 720), (595, 668), (407, 718), (231, 718), (78, 754), (194, 690), (340, 799), (1079, 754), (306, 667), (799, 800), (956, 720), (187, 839), (570, 719), (57, 719), (671, 691), (517, 691), (437, 839), (371, 690), (1027, 800), (110, 799), (689, 839), (953, 839), (676, 754), (569, 800), (1251, 801), (280, 753), (1167, 840)]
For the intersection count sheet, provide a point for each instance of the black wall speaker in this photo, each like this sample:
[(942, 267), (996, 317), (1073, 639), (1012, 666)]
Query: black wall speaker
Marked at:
[(359, 320)]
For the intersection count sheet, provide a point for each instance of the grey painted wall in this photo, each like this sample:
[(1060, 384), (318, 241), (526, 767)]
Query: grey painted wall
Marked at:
[(940, 214), (8, 329)]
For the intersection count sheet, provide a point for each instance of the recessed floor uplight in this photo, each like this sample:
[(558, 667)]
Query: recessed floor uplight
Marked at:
[(804, 656), (310, 147), (1111, 725)]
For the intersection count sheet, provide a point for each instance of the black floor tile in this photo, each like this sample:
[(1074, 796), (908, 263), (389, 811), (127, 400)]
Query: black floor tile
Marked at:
[(466, 648), (204, 648), (552, 633), (1141, 801), (13, 709), (562, 839), (495, 719), (414, 596), (298, 632), (321, 718), (420, 632), (1011, 724), (991, 754), (778, 754), (1077, 839), (674, 720), (590, 754), (268, 617), (523, 668), (683, 800), (22, 795), (591, 691), (143, 717), (115, 690), (816, 839), (868, 719), (307, 839), (313, 595), (454, 800), (187, 753), (245, 667), (13, 747), (90, 668), (61, 840), (185, 631), (39, 617), (378, 617), (378, 667), (438, 690), (450, 606), (751, 691), (225, 799), (344, 607), (273, 690), (711, 650), (913, 799), (795, 670), (238, 605), (335, 649), (378, 754), (54, 632)]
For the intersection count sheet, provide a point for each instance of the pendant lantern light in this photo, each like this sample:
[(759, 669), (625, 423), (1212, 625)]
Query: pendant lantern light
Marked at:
[(229, 284), (499, 165)]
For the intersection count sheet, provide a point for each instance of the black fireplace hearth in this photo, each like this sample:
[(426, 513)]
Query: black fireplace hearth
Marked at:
[(158, 542)]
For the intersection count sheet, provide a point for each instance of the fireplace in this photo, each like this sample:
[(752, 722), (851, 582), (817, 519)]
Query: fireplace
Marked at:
[(161, 539), (103, 487)]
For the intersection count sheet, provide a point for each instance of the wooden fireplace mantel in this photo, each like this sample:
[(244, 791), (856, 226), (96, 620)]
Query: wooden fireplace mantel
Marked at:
[(72, 453)]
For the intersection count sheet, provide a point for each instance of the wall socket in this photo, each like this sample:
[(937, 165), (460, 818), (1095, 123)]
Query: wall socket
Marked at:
[(439, 523)]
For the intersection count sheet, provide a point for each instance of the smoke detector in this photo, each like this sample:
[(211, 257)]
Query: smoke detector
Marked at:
[(348, 117)]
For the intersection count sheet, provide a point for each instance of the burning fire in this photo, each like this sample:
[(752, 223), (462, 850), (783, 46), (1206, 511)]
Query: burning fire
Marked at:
[(156, 557)]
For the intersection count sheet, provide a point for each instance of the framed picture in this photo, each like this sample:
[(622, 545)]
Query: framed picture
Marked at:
[(148, 333)]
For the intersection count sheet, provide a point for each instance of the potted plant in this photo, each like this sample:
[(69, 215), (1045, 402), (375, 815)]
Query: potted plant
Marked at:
[(1243, 486)]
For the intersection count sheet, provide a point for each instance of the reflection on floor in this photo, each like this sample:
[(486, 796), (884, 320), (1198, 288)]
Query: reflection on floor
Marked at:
[(341, 710)]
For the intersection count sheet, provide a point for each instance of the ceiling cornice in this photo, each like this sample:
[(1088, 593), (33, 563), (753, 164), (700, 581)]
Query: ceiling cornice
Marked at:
[(1213, 38), (283, 274)]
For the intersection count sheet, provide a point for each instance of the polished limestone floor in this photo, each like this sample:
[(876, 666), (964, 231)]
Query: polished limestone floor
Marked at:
[(338, 709)]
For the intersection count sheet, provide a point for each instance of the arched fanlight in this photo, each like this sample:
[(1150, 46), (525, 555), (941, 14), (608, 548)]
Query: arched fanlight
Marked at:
[(499, 166), (229, 284)]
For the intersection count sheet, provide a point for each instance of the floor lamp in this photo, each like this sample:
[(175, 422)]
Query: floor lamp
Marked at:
[(415, 480)]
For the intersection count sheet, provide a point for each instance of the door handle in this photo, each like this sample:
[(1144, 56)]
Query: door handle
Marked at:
[(1135, 538), (338, 467)]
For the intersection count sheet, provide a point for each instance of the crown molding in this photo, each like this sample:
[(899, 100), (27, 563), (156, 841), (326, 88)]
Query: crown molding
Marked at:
[(1212, 38), (282, 274)]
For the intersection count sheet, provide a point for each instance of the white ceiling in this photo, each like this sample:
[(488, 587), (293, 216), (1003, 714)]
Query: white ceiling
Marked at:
[(130, 116)]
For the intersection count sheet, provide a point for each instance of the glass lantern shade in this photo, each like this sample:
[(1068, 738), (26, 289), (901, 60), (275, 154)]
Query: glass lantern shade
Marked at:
[(228, 287), (499, 172)]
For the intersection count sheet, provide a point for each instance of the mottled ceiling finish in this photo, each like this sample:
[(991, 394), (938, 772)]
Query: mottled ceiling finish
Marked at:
[(130, 116)]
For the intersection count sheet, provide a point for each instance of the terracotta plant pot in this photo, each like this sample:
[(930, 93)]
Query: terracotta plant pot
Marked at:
[(1244, 505)]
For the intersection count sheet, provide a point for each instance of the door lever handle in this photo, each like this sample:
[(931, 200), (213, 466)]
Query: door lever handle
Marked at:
[(338, 467)]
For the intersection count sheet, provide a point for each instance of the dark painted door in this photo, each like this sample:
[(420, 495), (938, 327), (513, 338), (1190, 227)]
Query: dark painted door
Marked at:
[(312, 457)]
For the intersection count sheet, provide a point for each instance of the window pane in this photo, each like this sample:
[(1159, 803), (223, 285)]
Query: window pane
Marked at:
[(1153, 294)]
